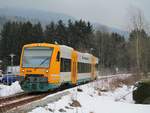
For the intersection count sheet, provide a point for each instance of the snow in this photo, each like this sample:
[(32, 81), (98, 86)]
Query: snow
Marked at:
[(94, 97), (93, 100), (10, 90), (122, 94)]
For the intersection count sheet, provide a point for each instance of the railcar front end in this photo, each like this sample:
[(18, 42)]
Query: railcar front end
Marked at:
[(40, 65)]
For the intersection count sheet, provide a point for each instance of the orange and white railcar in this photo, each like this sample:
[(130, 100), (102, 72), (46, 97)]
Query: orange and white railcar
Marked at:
[(46, 66)]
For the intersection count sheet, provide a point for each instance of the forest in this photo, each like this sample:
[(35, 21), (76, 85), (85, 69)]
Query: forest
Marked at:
[(112, 49)]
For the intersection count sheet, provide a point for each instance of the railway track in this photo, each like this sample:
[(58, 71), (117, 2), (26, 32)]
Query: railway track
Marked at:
[(8, 103), (12, 102), (8, 98)]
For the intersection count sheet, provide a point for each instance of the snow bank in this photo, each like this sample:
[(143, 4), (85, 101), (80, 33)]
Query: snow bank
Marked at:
[(122, 76), (122, 94), (95, 101), (10, 90)]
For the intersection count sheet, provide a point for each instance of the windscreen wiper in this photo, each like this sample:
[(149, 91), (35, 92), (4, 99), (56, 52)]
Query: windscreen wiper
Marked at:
[(44, 61)]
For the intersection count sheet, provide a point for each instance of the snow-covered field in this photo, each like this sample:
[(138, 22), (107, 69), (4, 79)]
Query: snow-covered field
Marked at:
[(10, 90), (90, 99)]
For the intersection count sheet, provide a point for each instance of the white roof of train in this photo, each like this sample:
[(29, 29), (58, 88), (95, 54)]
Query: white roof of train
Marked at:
[(66, 51)]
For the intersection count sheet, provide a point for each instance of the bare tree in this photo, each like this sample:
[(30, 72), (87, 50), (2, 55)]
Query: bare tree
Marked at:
[(137, 23), (136, 19)]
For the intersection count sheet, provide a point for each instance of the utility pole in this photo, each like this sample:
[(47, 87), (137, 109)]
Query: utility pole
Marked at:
[(12, 57)]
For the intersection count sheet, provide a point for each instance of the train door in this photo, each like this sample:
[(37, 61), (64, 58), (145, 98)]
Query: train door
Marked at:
[(74, 68)]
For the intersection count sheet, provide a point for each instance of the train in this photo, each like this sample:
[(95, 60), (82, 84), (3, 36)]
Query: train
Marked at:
[(45, 67)]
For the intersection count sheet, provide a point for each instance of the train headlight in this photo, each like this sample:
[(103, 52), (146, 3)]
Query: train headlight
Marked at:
[(23, 70), (46, 71)]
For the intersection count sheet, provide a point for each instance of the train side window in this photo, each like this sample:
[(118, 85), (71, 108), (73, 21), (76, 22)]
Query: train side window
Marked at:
[(58, 56), (65, 65), (84, 67)]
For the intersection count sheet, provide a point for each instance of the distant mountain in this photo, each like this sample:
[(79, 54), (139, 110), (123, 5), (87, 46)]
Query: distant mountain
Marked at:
[(105, 28), (45, 17), (35, 14), (23, 15)]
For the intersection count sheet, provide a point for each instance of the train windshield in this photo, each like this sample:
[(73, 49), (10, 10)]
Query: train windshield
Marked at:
[(37, 57)]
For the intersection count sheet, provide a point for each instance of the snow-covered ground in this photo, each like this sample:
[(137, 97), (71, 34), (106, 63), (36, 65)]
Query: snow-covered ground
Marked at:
[(10, 90), (90, 99), (94, 97), (15, 88)]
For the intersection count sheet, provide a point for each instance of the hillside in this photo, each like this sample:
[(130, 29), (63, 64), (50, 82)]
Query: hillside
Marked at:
[(45, 17), (104, 28), (34, 16)]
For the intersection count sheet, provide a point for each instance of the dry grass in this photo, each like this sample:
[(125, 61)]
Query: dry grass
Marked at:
[(115, 82), (79, 90), (62, 110), (75, 103)]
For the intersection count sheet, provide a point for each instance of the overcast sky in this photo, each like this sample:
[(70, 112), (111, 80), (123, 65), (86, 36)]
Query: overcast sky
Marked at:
[(108, 12)]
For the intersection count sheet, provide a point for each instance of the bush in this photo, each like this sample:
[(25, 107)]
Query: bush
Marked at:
[(142, 91)]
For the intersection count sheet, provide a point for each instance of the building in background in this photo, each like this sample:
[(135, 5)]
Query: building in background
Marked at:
[(13, 70)]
